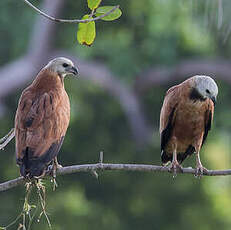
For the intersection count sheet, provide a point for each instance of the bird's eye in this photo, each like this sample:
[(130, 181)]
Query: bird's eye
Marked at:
[(207, 91), (65, 65)]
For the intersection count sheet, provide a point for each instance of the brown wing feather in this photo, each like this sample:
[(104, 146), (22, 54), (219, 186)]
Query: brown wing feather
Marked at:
[(208, 120), (167, 114), (41, 123)]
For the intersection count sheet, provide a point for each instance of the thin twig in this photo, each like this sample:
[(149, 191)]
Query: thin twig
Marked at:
[(41, 195), (118, 167), (6, 139), (70, 20), (14, 221)]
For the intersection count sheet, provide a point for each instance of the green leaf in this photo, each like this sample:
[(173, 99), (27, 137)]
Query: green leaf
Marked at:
[(93, 4), (112, 16), (86, 32)]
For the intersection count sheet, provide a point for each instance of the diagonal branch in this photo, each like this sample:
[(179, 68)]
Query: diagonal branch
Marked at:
[(115, 167), (99, 74), (70, 20), (6, 139)]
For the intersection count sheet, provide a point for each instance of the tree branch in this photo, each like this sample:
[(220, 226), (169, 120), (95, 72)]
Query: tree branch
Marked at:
[(6, 139), (216, 68), (116, 167), (70, 20)]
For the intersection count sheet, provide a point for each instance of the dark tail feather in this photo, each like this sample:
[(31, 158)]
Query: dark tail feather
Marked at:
[(31, 167), (165, 158), (182, 156), (36, 168)]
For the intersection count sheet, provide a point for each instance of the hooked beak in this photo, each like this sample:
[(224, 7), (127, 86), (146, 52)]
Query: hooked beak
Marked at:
[(72, 70), (214, 100)]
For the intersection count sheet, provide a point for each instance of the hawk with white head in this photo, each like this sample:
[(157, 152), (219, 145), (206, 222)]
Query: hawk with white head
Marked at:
[(42, 119)]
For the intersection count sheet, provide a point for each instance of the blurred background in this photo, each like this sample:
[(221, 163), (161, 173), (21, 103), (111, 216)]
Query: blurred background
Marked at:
[(115, 106)]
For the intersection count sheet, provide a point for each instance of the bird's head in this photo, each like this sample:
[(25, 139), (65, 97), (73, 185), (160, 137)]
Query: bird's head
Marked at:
[(62, 66), (206, 87)]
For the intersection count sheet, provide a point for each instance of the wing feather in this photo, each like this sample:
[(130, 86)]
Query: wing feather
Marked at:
[(167, 114), (208, 120)]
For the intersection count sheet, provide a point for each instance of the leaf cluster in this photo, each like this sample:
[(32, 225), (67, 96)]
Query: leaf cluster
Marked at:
[(87, 31)]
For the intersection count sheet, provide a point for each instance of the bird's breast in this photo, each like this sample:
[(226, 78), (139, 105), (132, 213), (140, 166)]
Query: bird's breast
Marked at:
[(188, 127)]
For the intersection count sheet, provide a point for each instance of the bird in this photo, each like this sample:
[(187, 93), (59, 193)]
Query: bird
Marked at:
[(185, 119), (42, 119)]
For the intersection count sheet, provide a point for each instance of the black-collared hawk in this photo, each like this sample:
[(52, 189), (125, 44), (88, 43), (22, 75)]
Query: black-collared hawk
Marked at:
[(185, 120), (42, 119)]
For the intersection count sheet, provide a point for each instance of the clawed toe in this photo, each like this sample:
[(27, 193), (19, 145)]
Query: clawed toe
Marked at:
[(175, 167), (52, 168), (59, 166), (200, 170)]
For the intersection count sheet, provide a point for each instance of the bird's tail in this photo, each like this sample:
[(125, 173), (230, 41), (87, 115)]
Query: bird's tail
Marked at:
[(166, 157), (31, 166)]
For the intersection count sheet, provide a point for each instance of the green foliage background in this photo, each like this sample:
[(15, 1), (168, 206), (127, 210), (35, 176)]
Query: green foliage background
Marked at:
[(149, 33)]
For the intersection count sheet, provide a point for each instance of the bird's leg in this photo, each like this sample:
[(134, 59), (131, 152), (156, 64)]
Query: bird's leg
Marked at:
[(199, 167), (175, 166), (55, 166)]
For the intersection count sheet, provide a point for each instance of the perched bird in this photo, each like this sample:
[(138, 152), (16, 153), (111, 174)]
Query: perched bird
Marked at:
[(42, 119), (185, 120)]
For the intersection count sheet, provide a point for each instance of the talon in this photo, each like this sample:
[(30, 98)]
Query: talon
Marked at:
[(54, 166), (59, 166), (174, 168), (200, 170)]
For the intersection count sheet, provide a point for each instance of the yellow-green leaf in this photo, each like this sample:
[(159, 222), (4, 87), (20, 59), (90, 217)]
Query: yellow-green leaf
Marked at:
[(112, 16), (86, 32), (93, 4)]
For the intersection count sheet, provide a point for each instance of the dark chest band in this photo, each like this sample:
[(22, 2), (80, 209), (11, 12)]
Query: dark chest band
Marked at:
[(195, 95)]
